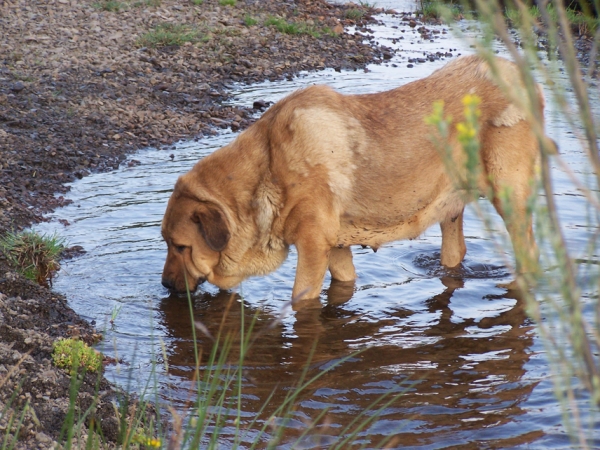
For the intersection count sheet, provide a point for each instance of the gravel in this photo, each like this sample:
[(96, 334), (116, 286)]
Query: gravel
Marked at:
[(79, 90)]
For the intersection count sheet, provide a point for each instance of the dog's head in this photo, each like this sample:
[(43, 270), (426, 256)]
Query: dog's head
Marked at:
[(196, 232)]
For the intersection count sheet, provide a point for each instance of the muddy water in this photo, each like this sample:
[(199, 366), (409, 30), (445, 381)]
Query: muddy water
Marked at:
[(470, 365)]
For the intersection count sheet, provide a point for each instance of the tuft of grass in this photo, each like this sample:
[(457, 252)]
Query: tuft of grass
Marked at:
[(441, 10), (354, 14), (366, 4), (249, 20), (33, 255), (197, 2), (71, 354), (291, 27), (168, 34), (227, 2), (110, 5), (581, 23)]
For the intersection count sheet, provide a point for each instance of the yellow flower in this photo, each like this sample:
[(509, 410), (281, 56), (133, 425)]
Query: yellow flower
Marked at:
[(465, 130), (471, 100), (153, 442)]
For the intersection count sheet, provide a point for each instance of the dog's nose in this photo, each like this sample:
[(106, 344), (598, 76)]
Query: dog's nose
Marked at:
[(167, 283)]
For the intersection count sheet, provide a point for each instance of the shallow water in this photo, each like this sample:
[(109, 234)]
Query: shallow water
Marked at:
[(469, 363)]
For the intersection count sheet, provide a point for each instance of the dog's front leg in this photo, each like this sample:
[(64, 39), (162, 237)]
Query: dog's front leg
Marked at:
[(313, 258)]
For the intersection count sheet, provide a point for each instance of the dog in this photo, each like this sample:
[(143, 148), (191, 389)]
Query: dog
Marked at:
[(324, 171)]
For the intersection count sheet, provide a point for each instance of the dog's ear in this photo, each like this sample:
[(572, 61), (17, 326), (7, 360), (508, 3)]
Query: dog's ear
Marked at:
[(212, 225)]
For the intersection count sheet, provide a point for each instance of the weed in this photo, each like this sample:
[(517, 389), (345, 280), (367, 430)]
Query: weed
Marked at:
[(110, 5), (249, 20), (33, 255), (366, 4), (168, 34), (20, 77), (115, 312), (291, 27), (441, 10), (227, 2), (72, 353), (197, 2), (354, 14)]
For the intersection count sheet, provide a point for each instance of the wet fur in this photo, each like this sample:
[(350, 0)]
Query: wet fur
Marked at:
[(323, 171)]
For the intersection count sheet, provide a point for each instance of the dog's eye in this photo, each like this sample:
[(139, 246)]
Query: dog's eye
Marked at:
[(180, 248)]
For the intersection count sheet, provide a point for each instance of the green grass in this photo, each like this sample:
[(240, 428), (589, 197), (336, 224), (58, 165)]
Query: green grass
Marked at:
[(354, 14), (249, 20), (33, 255), (227, 2), (168, 34), (110, 5), (441, 10), (583, 24), (293, 28), (197, 2)]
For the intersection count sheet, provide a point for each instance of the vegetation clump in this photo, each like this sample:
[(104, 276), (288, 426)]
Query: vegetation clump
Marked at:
[(72, 353), (33, 255), (110, 5), (291, 27), (168, 34)]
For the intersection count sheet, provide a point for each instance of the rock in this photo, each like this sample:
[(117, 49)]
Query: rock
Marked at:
[(17, 87)]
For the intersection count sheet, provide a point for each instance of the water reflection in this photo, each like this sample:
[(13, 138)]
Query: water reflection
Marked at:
[(472, 371), (461, 380)]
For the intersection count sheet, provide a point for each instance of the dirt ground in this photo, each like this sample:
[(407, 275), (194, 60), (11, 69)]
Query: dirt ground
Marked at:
[(79, 90)]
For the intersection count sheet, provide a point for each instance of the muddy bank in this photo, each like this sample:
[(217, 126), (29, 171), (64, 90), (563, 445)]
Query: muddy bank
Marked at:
[(80, 88)]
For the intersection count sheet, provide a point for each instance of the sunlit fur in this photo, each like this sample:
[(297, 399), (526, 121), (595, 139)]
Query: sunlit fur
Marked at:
[(323, 171)]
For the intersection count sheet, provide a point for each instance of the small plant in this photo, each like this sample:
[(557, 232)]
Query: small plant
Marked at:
[(168, 34), (282, 26), (197, 2), (115, 312), (227, 2), (354, 14), (249, 20), (366, 4), (110, 5), (33, 255), (291, 27), (440, 10), (72, 353)]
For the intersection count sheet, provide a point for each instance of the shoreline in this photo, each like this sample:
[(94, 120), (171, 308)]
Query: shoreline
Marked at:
[(79, 91)]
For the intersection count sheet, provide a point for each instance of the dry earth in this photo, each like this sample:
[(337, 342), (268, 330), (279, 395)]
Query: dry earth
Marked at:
[(79, 89)]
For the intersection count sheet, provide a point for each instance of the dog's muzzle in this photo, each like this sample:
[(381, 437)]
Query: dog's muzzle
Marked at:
[(171, 286)]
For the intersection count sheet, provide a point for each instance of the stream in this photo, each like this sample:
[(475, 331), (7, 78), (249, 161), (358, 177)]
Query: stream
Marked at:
[(469, 364)]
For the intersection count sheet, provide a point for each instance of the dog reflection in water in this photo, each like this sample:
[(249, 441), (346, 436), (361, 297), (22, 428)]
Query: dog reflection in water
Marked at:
[(323, 171)]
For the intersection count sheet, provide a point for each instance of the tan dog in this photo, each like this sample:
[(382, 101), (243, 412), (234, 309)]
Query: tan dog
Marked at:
[(324, 171)]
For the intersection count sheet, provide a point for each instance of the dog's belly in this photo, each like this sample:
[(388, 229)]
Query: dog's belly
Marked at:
[(374, 228)]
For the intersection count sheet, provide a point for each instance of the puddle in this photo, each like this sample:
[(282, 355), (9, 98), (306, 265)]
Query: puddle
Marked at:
[(467, 359)]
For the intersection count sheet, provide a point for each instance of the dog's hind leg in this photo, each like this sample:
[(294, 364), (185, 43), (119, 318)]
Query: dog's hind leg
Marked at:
[(340, 264), (510, 165), (513, 209), (453, 241)]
